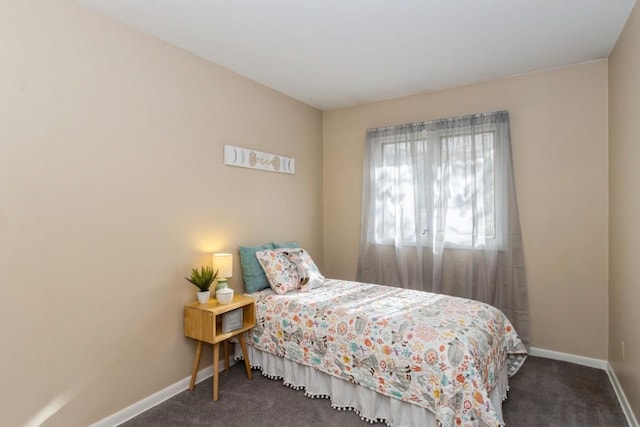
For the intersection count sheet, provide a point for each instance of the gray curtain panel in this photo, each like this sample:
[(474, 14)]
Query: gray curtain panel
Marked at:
[(439, 212)]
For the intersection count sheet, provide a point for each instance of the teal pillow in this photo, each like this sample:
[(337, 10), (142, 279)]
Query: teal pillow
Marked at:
[(288, 245), (252, 272)]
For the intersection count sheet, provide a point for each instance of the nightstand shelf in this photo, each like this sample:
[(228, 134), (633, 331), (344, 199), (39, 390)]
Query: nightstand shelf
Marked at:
[(203, 322)]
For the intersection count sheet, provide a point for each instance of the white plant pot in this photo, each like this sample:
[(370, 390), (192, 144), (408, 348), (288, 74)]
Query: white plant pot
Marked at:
[(204, 296)]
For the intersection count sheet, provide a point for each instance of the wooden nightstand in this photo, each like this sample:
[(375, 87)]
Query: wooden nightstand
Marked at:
[(203, 322)]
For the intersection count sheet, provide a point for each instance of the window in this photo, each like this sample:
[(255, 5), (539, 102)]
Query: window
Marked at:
[(471, 188), (435, 183)]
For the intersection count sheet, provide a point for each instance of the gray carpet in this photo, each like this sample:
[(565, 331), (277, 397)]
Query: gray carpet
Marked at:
[(543, 393)]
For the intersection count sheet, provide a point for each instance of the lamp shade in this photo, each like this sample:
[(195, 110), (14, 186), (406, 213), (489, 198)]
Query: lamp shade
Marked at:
[(224, 264)]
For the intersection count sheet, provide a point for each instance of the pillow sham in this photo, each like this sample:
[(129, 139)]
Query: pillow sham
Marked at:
[(308, 272), (289, 245), (252, 273), (281, 273)]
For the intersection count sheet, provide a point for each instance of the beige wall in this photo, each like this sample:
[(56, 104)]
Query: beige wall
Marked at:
[(559, 138), (111, 188), (624, 208)]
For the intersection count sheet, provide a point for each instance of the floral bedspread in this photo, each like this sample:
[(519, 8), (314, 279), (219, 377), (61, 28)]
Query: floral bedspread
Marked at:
[(440, 352)]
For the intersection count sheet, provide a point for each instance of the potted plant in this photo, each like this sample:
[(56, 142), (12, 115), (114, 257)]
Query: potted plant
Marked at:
[(202, 279)]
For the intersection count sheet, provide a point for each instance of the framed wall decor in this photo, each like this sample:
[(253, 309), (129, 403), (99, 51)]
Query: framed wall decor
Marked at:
[(247, 158)]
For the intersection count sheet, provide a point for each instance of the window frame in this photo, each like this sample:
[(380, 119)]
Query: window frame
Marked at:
[(427, 237)]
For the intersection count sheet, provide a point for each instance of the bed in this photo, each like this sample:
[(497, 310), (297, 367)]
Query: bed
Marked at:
[(403, 357)]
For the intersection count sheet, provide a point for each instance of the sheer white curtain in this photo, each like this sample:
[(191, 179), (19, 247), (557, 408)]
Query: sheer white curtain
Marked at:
[(439, 212)]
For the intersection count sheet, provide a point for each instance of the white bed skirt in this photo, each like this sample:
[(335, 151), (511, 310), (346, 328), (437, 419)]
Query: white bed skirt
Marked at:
[(371, 406)]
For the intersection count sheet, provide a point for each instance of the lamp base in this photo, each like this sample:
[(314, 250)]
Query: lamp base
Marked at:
[(222, 283)]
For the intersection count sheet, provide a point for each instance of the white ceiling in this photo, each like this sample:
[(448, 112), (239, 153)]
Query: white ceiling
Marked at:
[(338, 53)]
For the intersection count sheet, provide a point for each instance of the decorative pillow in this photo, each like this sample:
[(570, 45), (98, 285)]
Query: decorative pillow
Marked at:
[(310, 276), (252, 273), (281, 273), (289, 245)]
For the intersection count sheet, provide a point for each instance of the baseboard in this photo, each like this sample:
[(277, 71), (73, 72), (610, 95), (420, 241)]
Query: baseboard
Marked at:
[(155, 399), (592, 363), (622, 398), (572, 358)]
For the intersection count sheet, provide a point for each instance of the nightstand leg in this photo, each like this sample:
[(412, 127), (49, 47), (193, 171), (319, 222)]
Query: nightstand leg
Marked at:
[(216, 374), (226, 355), (247, 366), (196, 365)]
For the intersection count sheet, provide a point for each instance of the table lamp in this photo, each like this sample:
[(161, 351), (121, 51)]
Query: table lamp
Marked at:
[(224, 264)]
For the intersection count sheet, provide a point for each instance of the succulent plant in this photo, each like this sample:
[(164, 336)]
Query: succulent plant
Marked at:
[(203, 278)]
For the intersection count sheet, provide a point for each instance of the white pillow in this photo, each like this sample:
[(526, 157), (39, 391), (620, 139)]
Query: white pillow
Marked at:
[(282, 274), (309, 274)]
